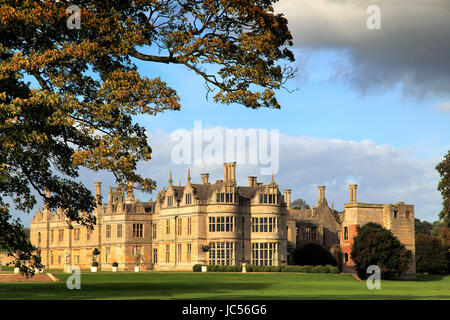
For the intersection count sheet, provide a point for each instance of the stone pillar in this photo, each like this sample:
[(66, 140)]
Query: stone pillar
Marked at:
[(321, 192), (352, 190)]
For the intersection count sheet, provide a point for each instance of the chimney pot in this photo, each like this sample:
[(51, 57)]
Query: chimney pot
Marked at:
[(205, 177)]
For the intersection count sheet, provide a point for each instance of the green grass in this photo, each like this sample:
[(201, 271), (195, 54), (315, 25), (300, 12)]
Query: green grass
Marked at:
[(183, 285)]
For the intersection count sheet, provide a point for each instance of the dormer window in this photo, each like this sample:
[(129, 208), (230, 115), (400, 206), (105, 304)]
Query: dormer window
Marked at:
[(225, 197), (170, 201), (268, 198), (188, 199)]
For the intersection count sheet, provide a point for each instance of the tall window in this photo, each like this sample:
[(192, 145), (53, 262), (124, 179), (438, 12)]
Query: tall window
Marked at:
[(76, 234), (138, 230), (167, 252), (108, 231), (88, 234), (188, 252), (345, 233), (264, 253), (154, 230), (155, 255), (395, 214), (168, 226), (189, 225), (346, 257), (39, 238), (407, 214), (222, 253), (61, 235), (179, 252), (119, 231), (170, 201), (179, 226), (189, 199), (51, 236)]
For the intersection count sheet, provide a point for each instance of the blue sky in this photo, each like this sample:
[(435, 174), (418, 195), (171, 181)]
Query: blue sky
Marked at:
[(366, 109)]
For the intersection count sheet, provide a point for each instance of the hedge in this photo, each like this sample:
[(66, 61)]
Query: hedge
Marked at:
[(253, 268)]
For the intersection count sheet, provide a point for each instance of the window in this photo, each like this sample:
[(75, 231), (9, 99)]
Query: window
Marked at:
[(265, 224), (138, 230), (167, 252), (222, 253), (52, 260), (188, 252), (268, 198), (407, 214), (179, 252), (61, 235), (189, 225), (395, 214), (189, 199), (51, 236), (154, 230), (39, 238), (88, 234), (225, 197), (179, 226), (346, 257), (221, 224), (108, 231), (119, 231), (265, 253), (167, 226), (59, 259), (76, 234), (345, 233), (155, 255), (107, 254), (310, 233), (77, 258), (170, 201)]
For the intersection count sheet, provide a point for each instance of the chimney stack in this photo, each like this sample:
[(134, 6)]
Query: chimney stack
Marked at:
[(98, 192), (287, 197), (321, 193), (252, 181), (229, 171), (205, 177), (130, 193), (352, 189)]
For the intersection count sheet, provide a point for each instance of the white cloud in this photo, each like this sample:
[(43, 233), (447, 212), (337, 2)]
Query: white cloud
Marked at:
[(443, 106)]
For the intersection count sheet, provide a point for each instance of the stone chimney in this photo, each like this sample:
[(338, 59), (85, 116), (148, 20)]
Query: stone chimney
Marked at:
[(352, 189), (130, 193), (321, 193), (252, 182), (229, 171), (205, 177), (98, 192), (287, 197)]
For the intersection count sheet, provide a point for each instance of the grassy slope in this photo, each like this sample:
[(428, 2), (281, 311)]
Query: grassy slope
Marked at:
[(171, 285)]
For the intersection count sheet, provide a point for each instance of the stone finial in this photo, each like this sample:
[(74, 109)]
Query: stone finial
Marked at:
[(189, 176), (170, 178)]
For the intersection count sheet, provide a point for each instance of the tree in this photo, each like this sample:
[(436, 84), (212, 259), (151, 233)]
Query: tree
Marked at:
[(430, 255), (375, 245), (87, 90), (313, 254), (444, 188), (299, 204), (424, 227)]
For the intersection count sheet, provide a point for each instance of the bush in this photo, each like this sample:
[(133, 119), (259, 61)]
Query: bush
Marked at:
[(115, 264), (313, 254), (320, 269), (375, 245), (430, 255), (95, 264), (332, 269), (17, 264), (197, 268)]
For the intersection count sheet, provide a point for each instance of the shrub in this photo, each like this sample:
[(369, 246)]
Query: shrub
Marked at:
[(320, 269), (17, 264), (375, 245), (313, 254), (95, 264), (115, 264), (197, 268), (332, 269), (307, 269), (430, 255)]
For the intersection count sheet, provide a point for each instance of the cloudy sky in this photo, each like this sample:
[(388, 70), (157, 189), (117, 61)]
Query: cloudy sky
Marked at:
[(373, 107)]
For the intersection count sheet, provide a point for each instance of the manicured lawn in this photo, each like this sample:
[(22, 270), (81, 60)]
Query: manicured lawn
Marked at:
[(180, 285)]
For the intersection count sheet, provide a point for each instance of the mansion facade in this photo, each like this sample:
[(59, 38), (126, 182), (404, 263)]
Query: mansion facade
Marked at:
[(217, 223)]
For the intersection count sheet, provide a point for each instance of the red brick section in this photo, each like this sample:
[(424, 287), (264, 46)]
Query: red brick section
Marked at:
[(346, 247)]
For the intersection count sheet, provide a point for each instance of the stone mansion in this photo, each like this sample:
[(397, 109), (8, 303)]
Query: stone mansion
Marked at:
[(210, 223)]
